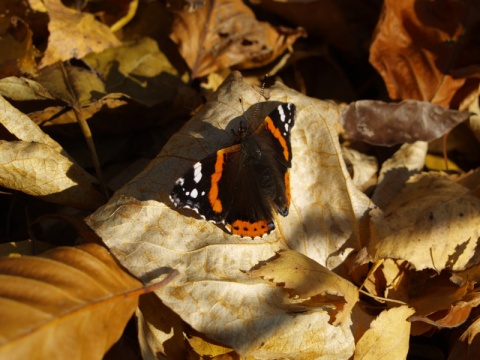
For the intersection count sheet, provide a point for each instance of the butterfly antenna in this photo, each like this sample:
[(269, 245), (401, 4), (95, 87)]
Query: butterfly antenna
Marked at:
[(262, 91)]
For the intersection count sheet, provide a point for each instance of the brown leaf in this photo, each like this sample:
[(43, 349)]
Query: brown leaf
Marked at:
[(67, 27), (387, 124), (467, 345), (146, 232), (68, 303), (419, 44), (18, 52), (225, 33), (432, 223), (309, 284)]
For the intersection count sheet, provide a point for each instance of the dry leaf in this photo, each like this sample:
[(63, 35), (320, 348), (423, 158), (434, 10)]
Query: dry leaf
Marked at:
[(38, 166), (407, 161), (388, 336), (18, 52), (141, 227), (20, 88), (139, 70), (71, 84), (387, 124), (67, 303), (467, 346), (432, 223), (418, 45), (67, 27), (363, 168), (309, 285), (225, 33)]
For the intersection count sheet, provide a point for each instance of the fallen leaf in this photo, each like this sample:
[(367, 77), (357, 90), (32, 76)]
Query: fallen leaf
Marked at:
[(467, 345), (436, 41), (309, 285), (388, 336), (20, 88), (226, 33), (363, 168), (140, 70), (387, 124), (406, 162), (71, 84), (432, 223), (67, 27), (210, 261), (38, 166), (68, 293)]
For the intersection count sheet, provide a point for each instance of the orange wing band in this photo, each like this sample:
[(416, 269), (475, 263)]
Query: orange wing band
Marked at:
[(276, 133), (247, 228), (217, 175)]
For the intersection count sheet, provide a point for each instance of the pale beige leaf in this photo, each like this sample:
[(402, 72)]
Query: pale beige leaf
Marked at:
[(432, 223), (363, 168), (69, 303), (309, 284), (37, 169), (387, 337), (20, 88), (141, 227), (20, 126), (395, 171), (68, 26)]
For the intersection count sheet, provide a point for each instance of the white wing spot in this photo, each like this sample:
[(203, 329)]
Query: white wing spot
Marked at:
[(282, 113), (194, 193), (197, 172)]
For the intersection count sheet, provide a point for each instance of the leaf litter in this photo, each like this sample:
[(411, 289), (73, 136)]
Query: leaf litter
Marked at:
[(360, 268)]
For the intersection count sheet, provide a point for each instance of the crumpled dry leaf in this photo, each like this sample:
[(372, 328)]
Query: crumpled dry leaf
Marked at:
[(422, 49), (67, 27), (388, 336), (18, 52), (432, 223), (468, 344), (146, 233), (67, 293), (20, 88), (395, 171), (309, 285), (226, 33), (37, 165), (387, 124), (363, 168), (71, 84), (140, 70)]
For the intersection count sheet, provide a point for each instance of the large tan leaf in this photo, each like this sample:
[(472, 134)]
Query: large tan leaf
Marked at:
[(432, 223), (141, 227), (37, 165), (74, 34), (387, 337), (225, 33), (69, 303)]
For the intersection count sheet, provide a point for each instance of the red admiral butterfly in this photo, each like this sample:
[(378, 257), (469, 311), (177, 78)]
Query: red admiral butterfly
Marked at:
[(239, 186)]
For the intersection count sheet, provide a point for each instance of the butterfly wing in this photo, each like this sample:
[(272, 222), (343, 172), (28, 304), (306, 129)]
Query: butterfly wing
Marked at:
[(202, 188), (275, 138)]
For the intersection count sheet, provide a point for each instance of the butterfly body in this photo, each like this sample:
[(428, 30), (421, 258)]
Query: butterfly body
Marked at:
[(241, 185)]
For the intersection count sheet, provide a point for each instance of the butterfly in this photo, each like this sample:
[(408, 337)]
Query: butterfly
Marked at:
[(242, 185)]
